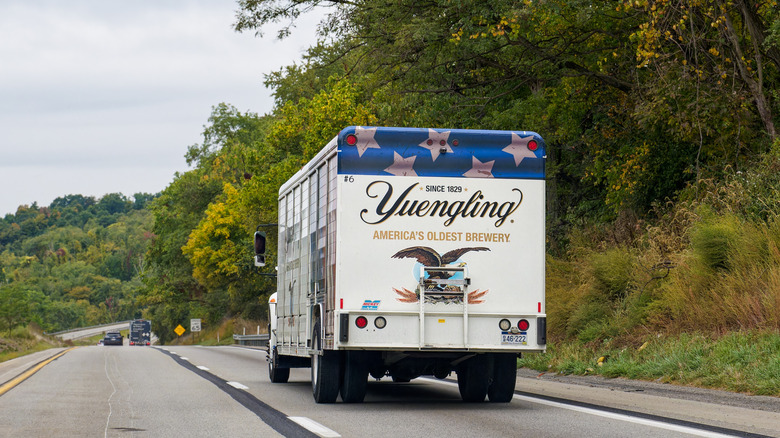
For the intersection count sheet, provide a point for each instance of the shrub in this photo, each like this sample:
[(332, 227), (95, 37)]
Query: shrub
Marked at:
[(712, 239), (612, 273), (586, 314)]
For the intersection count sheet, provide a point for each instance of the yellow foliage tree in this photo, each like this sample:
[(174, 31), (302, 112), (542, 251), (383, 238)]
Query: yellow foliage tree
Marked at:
[(218, 246)]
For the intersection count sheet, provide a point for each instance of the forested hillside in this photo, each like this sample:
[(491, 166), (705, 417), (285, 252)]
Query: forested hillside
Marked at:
[(662, 169), (75, 263)]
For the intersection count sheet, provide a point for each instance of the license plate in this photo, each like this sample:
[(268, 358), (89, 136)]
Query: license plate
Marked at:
[(519, 339)]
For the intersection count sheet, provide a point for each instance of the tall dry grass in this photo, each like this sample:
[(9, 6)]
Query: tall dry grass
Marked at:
[(708, 263), (688, 294)]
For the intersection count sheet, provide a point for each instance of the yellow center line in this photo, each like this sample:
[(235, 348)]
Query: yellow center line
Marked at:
[(25, 375)]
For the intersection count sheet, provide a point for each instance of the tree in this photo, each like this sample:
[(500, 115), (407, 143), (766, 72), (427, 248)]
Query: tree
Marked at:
[(216, 247), (14, 307), (714, 65)]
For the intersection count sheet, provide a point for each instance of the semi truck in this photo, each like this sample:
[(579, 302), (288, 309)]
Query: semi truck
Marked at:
[(140, 332), (408, 252)]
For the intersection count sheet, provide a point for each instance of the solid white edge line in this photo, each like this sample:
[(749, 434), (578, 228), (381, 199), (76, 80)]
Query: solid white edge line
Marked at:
[(237, 385), (314, 427), (201, 367), (612, 415), (259, 350)]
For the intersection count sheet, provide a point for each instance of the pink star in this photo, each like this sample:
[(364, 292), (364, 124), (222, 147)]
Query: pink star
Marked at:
[(480, 169), (365, 139), (435, 139), (519, 148), (402, 166)]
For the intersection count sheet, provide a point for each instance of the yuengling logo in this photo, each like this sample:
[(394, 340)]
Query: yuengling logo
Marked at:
[(475, 206)]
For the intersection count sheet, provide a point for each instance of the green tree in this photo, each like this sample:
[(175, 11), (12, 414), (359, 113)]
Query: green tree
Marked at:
[(14, 307), (169, 286), (219, 251), (713, 67)]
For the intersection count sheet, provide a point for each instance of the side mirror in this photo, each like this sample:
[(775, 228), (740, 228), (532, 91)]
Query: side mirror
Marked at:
[(260, 248)]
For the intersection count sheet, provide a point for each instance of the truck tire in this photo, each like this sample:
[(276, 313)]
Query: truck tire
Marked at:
[(353, 387), (502, 388), (276, 374), (474, 378), (325, 371)]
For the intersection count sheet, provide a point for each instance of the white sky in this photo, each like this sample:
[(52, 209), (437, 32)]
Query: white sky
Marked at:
[(102, 96)]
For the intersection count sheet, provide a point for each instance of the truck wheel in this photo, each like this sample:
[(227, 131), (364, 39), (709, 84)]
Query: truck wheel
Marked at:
[(474, 378), (353, 387), (276, 374), (325, 373), (502, 388)]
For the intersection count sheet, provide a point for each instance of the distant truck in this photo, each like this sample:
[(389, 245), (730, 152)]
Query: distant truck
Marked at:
[(409, 252), (140, 332)]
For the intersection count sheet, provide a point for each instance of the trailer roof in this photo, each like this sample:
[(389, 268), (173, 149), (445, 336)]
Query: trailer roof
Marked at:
[(426, 152), (461, 153)]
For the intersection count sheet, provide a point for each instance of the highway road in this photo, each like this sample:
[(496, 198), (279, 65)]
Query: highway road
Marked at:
[(191, 391)]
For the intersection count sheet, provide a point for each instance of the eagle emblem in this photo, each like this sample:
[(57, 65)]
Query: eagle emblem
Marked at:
[(429, 257)]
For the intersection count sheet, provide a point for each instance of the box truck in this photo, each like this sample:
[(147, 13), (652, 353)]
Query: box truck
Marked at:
[(140, 332), (407, 252)]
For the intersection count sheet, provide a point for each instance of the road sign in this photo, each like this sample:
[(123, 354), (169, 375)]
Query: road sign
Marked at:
[(195, 325), (179, 330)]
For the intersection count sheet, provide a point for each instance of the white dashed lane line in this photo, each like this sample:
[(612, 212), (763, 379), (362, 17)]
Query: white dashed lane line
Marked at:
[(237, 385), (314, 427)]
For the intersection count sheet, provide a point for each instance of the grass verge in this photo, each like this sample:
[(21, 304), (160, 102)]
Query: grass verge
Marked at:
[(22, 341)]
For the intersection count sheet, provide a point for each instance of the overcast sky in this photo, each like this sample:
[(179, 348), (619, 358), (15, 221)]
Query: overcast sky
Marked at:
[(101, 96)]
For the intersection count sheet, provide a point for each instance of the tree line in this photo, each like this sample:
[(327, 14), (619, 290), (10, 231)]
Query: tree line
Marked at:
[(74, 263)]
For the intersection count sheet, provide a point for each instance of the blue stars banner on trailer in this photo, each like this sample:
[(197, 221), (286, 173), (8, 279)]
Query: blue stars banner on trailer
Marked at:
[(441, 153)]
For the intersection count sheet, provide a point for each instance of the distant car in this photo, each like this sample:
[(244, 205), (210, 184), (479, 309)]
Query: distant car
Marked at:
[(113, 338), (100, 342)]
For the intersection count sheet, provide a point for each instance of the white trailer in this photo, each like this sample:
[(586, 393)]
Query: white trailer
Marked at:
[(406, 252)]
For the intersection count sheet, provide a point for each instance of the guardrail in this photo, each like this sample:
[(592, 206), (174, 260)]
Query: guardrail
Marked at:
[(253, 340), (86, 328)]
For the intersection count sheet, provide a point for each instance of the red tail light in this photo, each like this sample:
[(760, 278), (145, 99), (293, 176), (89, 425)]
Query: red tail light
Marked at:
[(523, 325), (352, 139), (533, 145), (361, 322)]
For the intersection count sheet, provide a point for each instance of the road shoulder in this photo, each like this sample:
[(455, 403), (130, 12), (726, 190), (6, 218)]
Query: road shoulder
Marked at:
[(753, 414), (14, 367)]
